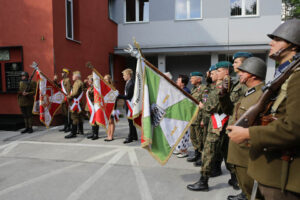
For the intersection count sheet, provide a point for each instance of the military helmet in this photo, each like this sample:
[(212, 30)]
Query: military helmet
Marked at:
[(289, 31), (25, 74), (255, 66)]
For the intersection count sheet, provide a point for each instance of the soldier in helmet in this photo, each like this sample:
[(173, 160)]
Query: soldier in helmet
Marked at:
[(65, 85), (251, 73), (25, 100), (76, 105), (274, 151)]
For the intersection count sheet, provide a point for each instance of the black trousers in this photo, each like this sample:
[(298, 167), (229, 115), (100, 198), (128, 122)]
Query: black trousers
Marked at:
[(132, 131)]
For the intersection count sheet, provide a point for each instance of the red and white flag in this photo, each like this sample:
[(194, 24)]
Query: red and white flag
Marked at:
[(218, 121), (104, 100), (48, 99)]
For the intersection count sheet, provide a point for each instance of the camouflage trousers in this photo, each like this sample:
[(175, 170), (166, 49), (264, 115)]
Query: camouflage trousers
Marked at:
[(197, 138), (209, 154)]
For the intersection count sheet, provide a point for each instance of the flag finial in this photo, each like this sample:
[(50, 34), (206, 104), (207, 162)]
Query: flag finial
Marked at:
[(89, 65)]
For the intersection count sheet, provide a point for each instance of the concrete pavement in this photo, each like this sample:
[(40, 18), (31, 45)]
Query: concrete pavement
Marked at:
[(44, 165)]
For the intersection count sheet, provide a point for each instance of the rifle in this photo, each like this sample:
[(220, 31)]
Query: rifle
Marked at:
[(269, 90), (33, 65)]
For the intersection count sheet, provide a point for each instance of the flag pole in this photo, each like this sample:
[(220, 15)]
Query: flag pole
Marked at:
[(137, 45), (89, 65)]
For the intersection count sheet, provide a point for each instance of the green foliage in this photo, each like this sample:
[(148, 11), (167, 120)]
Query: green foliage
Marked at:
[(290, 9)]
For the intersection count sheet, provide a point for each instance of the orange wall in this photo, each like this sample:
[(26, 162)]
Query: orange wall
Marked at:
[(24, 23), (96, 33)]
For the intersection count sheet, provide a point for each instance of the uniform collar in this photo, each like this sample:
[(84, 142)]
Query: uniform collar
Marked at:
[(254, 89), (281, 68)]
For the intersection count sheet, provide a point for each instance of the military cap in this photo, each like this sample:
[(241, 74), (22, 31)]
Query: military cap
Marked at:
[(242, 54), (77, 73), (212, 68), (289, 31), (25, 74), (196, 74), (224, 64), (65, 70), (90, 76)]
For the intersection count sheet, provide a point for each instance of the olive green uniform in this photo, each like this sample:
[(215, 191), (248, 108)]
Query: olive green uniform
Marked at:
[(67, 86), (26, 102), (196, 132), (272, 143), (77, 89), (238, 154)]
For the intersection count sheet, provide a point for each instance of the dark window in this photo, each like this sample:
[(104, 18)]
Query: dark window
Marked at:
[(130, 11), (69, 19), (12, 76), (243, 7)]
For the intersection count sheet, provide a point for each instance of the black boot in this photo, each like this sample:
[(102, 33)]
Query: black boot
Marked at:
[(68, 128), (65, 126), (73, 132), (80, 128), (240, 196), (91, 135), (194, 158), (30, 130), (216, 169), (201, 185), (24, 131), (95, 133), (198, 162), (233, 182)]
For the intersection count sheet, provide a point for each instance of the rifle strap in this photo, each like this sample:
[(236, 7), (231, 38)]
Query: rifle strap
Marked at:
[(282, 94)]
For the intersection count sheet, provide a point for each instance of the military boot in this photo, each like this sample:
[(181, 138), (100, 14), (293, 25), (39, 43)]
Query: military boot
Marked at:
[(91, 135), (194, 158), (30, 130), (95, 132), (69, 127), (216, 169), (80, 128), (233, 182), (65, 127), (73, 132), (198, 162), (201, 185), (240, 196)]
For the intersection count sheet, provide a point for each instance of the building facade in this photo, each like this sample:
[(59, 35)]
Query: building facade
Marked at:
[(55, 34), (181, 36)]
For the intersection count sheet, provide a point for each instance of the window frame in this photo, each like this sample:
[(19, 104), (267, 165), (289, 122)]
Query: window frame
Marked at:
[(72, 19), (243, 15), (188, 10), (137, 14)]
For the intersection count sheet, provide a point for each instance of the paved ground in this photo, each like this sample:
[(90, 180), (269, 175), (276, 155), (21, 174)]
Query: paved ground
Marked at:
[(43, 165)]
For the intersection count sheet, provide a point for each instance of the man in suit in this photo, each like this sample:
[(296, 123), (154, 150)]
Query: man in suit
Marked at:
[(129, 88)]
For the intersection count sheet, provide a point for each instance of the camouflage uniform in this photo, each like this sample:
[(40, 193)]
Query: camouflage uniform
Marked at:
[(212, 138), (196, 132)]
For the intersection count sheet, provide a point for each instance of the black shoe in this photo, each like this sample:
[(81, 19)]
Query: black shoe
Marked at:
[(127, 140), (95, 137), (68, 129), (240, 196), (201, 185), (24, 131), (198, 162), (233, 182), (30, 130), (194, 158), (71, 135), (90, 136)]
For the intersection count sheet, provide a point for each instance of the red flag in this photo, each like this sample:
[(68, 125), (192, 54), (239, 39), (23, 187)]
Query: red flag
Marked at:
[(104, 100), (48, 99)]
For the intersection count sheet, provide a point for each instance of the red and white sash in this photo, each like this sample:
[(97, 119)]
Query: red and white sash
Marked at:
[(91, 108), (129, 106), (76, 103), (218, 121)]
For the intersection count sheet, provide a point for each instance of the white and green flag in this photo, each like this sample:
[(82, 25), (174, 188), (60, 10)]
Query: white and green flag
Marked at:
[(167, 115)]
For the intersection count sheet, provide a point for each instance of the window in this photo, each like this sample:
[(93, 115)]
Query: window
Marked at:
[(69, 20), (243, 7), (188, 9), (137, 10)]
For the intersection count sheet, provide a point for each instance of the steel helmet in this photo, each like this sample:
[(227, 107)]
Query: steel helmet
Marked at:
[(255, 66)]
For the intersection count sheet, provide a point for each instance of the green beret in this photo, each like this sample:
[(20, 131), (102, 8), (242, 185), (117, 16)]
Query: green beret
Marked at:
[(212, 68), (196, 74), (242, 54), (224, 64)]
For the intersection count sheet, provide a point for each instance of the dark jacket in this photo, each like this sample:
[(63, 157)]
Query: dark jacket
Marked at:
[(129, 88)]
